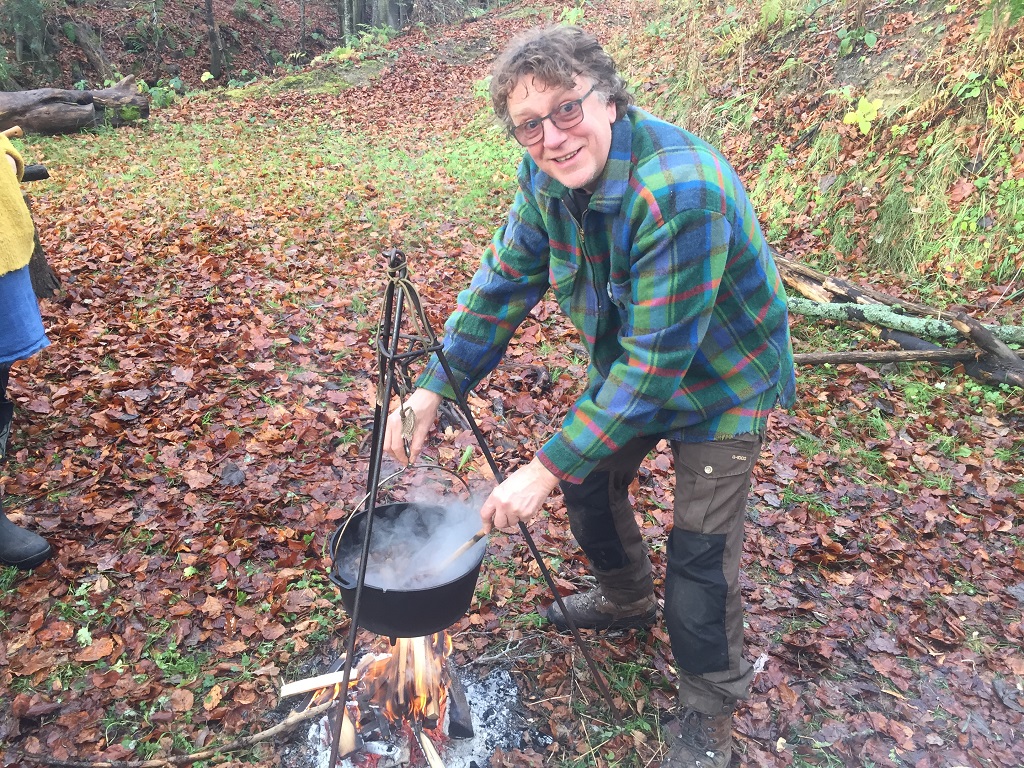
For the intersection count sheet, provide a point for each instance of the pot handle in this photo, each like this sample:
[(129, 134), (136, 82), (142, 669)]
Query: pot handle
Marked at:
[(340, 531)]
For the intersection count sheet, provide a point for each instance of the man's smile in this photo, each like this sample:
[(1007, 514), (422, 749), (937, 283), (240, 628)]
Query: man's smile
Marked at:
[(565, 158)]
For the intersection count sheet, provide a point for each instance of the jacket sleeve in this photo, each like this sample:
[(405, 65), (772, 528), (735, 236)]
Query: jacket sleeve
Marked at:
[(16, 229), (512, 277), (667, 304), (8, 149)]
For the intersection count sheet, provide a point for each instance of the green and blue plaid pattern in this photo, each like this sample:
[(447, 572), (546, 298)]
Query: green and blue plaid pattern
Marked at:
[(668, 279)]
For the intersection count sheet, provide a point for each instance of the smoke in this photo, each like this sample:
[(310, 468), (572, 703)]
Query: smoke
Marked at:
[(411, 542)]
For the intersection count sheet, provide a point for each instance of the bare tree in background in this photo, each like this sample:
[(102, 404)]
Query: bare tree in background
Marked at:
[(216, 46)]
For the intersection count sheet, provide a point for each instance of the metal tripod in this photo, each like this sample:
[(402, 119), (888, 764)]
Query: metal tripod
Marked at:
[(395, 351)]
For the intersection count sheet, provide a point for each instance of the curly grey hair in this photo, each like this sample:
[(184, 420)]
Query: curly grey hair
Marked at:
[(556, 56)]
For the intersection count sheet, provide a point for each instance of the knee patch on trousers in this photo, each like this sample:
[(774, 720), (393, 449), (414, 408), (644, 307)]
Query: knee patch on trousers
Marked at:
[(592, 522), (695, 601)]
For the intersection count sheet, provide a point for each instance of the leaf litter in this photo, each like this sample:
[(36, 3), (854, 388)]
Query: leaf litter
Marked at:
[(193, 436)]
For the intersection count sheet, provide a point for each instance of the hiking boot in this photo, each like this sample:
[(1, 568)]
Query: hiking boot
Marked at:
[(20, 548), (701, 741), (592, 610)]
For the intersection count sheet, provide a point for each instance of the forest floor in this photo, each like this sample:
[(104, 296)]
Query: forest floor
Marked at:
[(198, 429)]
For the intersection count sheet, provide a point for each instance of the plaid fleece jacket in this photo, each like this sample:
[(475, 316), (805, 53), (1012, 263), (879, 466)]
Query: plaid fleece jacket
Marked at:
[(669, 281)]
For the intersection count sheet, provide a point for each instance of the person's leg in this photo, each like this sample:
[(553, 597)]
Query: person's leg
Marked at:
[(604, 525), (6, 411), (703, 604)]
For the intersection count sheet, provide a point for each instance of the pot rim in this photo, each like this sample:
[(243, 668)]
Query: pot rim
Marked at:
[(341, 581)]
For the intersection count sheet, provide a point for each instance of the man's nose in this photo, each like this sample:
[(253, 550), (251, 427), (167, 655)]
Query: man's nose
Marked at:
[(553, 135)]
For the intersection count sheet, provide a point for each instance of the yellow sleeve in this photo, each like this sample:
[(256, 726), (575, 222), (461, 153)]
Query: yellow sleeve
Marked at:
[(8, 149), (15, 222)]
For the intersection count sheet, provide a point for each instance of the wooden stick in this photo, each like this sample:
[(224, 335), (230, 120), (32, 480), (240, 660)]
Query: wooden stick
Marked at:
[(312, 684), (427, 748), (14, 132), (462, 550), (402, 662), (284, 726)]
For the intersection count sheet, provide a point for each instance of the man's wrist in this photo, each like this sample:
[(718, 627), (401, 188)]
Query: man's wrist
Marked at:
[(543, 475)]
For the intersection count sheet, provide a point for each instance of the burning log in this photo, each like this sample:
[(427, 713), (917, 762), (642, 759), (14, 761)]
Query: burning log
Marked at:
[(349, 742), (408, 684)]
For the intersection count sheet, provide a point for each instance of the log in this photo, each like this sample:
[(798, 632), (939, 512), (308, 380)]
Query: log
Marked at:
[(982, 369), (822, 288), (57, 111), (880, 314)]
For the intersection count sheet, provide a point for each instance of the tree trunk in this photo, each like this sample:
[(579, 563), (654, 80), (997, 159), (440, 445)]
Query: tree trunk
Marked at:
[(358, 17), (88, 40), (216, 45), (54, 111)]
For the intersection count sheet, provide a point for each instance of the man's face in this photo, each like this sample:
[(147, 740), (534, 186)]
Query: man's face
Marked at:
[(575, 156)]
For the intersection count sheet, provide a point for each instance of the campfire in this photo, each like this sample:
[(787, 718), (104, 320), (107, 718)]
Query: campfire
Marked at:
[(406, 686), (407, 571)]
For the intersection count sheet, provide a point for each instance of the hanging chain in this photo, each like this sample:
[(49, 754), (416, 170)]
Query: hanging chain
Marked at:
[(421, 341)]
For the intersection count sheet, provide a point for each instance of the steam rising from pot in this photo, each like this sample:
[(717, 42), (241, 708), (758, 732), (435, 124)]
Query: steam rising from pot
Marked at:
[(407, 551)]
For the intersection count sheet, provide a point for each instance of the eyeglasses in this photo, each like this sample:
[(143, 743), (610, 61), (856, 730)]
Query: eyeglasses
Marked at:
[(564, 116)]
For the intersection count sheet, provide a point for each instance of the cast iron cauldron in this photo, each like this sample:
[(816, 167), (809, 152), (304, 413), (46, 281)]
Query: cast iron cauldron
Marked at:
[(398, 612)]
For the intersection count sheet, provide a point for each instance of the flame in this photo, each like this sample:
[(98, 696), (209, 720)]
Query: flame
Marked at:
[(406, 682), (411, 682)]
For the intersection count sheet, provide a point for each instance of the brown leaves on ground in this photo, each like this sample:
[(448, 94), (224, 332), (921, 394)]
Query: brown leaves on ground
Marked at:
[(192, 438)]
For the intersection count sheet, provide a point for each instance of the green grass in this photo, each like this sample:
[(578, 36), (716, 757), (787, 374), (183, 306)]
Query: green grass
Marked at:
[(811, 500)]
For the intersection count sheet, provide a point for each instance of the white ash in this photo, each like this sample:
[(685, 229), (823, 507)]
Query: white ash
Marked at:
[(498, 723)]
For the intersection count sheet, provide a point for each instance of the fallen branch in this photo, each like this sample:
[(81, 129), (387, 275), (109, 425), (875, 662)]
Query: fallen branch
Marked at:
[(1005, 365), (982, 368), (930, 354), (284, 726), (880, 314)]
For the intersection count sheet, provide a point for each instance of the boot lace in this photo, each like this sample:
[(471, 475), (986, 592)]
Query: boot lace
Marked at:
[(695, 730)]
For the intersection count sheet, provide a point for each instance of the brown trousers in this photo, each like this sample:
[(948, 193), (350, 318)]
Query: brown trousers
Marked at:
[(703, 604)]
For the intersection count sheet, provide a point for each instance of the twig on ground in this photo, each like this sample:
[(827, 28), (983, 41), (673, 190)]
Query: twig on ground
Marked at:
[(176, 760)]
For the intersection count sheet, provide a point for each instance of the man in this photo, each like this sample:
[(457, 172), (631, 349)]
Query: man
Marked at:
[(21, 334), (647, 239)]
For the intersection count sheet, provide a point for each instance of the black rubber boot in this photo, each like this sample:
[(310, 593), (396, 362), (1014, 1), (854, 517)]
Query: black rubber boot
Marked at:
[(20, 548)]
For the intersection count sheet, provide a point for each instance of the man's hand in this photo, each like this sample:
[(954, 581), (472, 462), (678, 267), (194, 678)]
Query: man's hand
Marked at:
[(13, 162), (519, 498), (422, 407)]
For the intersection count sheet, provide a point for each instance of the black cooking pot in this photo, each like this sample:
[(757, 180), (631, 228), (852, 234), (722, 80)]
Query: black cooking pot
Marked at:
[(412, 612)]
